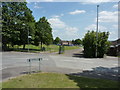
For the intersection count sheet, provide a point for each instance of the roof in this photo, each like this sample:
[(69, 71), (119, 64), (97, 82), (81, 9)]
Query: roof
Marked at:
[(116, 42)]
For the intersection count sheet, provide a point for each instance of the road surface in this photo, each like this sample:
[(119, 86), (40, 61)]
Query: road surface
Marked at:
[(15, 64)]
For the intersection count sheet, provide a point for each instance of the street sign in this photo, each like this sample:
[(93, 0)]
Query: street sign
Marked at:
[(29, 36), (34, 59), (31, 60)]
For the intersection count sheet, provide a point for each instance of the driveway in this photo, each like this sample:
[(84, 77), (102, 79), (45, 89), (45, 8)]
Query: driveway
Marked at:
[(15, 64)]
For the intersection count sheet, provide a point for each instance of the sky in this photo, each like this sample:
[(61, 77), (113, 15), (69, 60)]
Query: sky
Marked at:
[(72, 20)]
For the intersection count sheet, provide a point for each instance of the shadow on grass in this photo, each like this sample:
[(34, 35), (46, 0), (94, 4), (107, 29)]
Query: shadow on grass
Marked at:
[(99, 77)]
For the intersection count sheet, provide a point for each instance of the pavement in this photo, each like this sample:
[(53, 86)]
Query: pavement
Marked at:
[(15, 64)]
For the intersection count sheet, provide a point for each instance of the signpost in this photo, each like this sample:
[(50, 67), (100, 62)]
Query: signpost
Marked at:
[(31, 60)]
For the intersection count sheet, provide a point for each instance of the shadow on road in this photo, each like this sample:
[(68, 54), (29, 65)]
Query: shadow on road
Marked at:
[(78, 55), (101, 72), (98, 72)]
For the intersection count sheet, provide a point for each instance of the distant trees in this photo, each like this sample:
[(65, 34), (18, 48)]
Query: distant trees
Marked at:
[(57, 40), (18, 23), (77, 42), (91, 44)]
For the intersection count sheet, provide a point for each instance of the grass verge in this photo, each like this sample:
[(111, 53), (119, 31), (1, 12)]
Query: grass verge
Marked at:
[(55, 80), (50, 48)]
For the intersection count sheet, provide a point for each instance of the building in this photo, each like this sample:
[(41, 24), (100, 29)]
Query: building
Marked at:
[(114, 49), (66, 43)]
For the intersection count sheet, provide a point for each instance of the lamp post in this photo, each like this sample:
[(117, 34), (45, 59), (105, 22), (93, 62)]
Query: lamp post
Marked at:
[(27, 37), (97, 29), (28, 40)]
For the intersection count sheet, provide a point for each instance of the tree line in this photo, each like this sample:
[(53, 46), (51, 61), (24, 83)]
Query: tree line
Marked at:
[(19, 25), (20, 28), (74, 42)]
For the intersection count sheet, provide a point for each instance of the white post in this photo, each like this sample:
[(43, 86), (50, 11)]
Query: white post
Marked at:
[(97, 30)]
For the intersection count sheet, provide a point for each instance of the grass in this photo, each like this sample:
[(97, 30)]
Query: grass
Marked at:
[(54, 80), (50, 48)]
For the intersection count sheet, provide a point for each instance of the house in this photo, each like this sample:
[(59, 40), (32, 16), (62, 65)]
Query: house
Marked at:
[(66, 43), (114, 49)]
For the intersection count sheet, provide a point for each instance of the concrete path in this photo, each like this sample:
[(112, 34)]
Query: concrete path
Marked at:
[(72, 53)]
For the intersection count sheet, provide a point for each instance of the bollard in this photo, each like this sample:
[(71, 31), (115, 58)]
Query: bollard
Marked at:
[(29, 67), (39, 64)]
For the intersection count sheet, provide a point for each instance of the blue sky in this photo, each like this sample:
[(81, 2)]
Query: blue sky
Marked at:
[(71, 20)]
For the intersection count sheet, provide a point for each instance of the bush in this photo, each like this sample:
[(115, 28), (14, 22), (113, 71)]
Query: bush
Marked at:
[(90, 44)]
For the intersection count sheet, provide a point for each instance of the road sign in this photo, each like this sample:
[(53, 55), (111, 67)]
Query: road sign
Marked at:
[(29, 36), (33, 59)]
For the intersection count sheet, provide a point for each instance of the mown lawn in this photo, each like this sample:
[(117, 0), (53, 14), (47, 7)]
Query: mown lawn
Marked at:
[(55, 80), (50, 48)]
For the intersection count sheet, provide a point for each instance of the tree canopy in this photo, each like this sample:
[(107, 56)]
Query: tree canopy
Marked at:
[(43, 32), (77, 42), (57, 40), (92, 44), (18, 25), (17, 22)]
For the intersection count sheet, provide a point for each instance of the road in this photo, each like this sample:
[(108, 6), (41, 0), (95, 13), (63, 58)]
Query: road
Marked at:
[(15, 64)]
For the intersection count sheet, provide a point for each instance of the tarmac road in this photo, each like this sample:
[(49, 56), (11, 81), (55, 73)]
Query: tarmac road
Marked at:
[(15, 64)]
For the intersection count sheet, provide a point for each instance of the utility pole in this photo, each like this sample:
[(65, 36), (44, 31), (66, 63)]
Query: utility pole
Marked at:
[(97, 29)]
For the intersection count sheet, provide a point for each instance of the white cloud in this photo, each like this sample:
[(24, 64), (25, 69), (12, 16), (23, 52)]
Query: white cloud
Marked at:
[(62, 14), (85, 1), (93, 27), (36, 5), (48, 0), (113, 30), (98, 1), (77, 12), (71, 30), (63, 30), (113, 35), (115, 6), (115, 26), (56, 23), (107, 16), (57, 16)]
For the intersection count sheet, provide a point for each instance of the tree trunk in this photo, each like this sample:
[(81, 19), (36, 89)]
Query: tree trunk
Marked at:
[(24, 46), (4, 47), (41, 45)]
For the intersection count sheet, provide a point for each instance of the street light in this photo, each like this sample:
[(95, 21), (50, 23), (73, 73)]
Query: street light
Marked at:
[(97, 30), (28, 38)]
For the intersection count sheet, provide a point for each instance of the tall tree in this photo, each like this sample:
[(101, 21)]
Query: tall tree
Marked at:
[(6, 19), (17, 21), (43, 32)]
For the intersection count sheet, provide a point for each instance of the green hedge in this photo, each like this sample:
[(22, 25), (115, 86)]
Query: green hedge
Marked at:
[(92, 44)]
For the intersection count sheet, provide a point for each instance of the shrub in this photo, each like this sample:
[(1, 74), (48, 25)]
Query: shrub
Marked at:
[(91, 44)]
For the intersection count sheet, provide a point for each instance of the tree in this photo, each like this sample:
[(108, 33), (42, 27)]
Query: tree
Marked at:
[(90, 44), (43, 32), (26, 23), (73, 42), (5, 26), (77, 42), (57, 40), (17, 20)]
